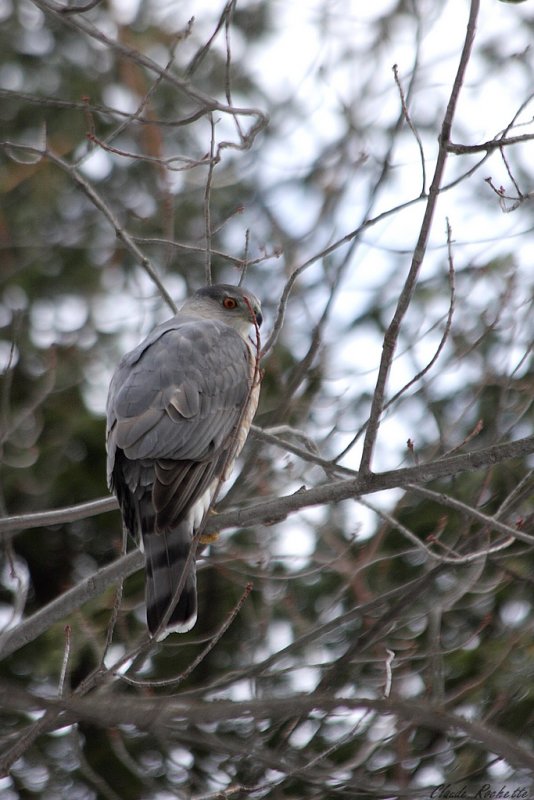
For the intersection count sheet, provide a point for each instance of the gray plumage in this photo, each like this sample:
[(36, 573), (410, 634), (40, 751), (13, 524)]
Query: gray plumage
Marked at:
[(179, 410)]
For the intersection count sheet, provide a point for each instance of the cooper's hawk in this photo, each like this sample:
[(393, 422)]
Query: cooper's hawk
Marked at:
[(179, 411)]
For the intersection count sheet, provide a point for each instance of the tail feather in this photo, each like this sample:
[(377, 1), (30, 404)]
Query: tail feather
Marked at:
[(166, 555)]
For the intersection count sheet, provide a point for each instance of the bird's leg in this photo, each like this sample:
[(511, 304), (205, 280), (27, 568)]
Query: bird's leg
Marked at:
[(210, 538)]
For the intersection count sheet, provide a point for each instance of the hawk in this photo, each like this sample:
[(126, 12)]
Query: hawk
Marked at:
[(179, 411)]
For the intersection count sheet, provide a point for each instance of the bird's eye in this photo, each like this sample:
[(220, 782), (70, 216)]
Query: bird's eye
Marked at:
[(229, 302)]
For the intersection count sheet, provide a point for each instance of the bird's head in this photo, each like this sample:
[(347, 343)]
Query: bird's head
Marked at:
[(235, 306)]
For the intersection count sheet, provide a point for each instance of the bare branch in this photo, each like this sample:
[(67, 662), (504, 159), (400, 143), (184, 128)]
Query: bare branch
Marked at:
[(274, 511), (42, 519), (79, 9), (164, 713), (207, 104), (279, 508), (412, 128), (487, 147), (390, 339), (102, 206), (65, 604)]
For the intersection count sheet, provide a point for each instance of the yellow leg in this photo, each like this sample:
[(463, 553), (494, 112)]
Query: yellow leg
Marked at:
[(210, 538)]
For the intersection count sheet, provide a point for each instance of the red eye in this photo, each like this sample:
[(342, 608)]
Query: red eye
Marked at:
[(229, 302)]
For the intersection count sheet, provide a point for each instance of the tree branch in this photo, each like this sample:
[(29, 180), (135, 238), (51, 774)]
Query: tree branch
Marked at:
[(165, 714), (69, 601), (392, 333), (276, 509), (485, 147), (268, 512)]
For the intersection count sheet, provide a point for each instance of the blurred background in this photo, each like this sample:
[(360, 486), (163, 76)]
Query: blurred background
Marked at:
[(147, 145)]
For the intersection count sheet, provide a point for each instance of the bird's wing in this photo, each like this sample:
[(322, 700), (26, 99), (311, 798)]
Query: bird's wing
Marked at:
[(177, 401)]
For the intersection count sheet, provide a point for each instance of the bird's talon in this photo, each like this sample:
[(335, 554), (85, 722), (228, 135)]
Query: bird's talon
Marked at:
[(209, 538)]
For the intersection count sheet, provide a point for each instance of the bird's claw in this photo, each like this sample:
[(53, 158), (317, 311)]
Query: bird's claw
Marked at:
[(209, 538)]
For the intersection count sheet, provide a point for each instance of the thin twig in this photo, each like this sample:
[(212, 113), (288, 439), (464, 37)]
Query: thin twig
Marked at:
[(446, 330), (392, 333), (65, 663), (102, 206), (390, 656), (207, 104), (201, 656), (116, 604), (444, 337), (245, 263), (412, 128), (488, 147), (490, 522), (441, 559), (207, 205), (79, 9)]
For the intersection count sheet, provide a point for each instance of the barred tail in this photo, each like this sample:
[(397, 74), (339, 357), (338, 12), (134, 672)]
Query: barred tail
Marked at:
[(165, 556)]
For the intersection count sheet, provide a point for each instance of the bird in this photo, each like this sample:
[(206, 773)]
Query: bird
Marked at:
[(179, 409)]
